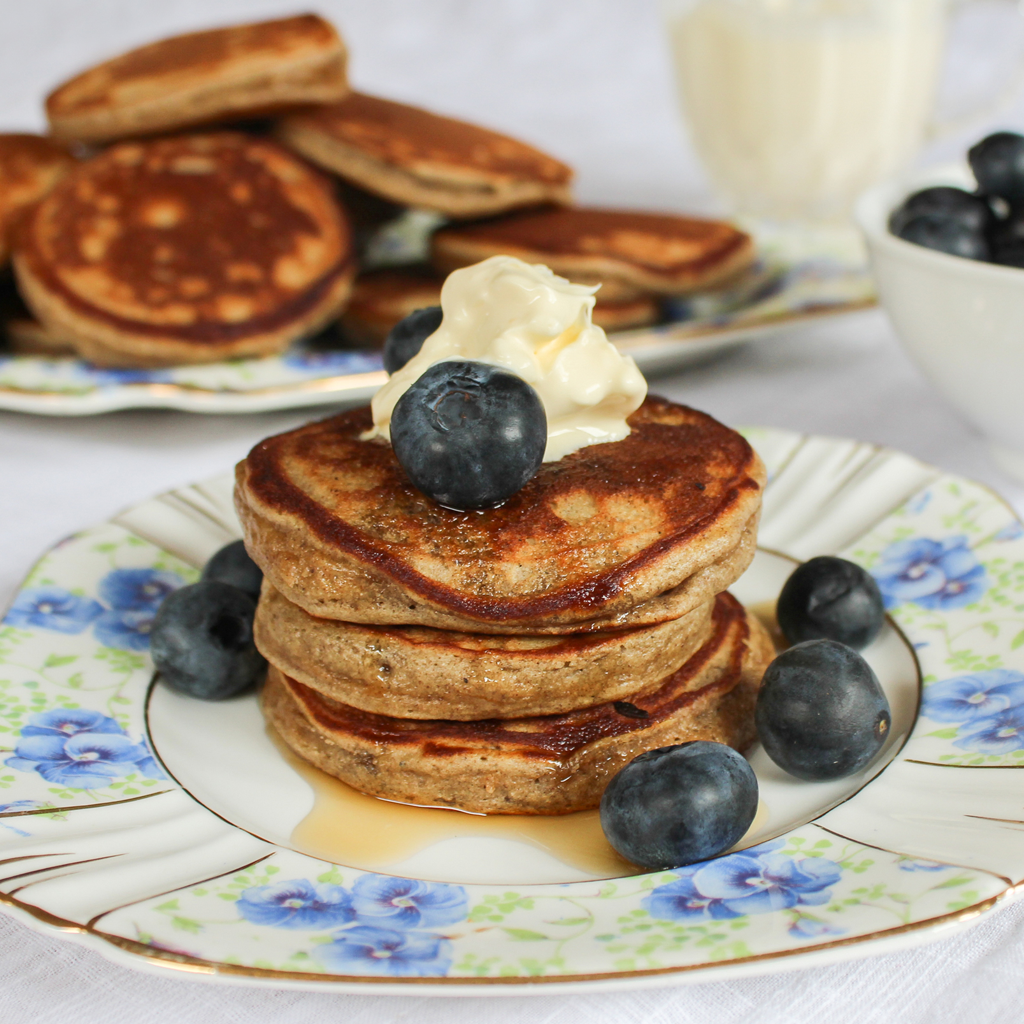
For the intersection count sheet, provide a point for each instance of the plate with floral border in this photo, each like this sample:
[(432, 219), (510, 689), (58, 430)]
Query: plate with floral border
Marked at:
[(795, 282), (99, 841)]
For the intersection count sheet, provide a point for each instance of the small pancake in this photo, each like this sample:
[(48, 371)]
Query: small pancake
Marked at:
[(186, 249), (380, 298), (547, 765), (417, 158), (626, 252), (336, 526), (415, 672), (224, 74), (29, 167), (28, 337)]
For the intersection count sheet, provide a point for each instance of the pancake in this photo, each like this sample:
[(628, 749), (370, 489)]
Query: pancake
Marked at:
[(626, 252), (337, 527), (29, 167), (186, 249), (380, 298), (28, 337), (225, 74), (417, 672), (416, 158), (546, 765)]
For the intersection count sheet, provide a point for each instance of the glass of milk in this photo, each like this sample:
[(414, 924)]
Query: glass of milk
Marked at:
[(797, 106)]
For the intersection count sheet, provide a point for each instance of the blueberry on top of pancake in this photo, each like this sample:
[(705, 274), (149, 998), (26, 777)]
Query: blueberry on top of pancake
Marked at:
[(222, 74), (414, 157), (29, 167), (339, 529), (625, 251), (186, 249)]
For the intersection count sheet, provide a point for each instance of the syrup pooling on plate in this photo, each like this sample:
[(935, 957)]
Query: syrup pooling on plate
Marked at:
[(347, 827)]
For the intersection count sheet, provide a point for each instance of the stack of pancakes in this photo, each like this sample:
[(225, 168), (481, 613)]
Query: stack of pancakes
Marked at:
[(510, 660), (230, 186)]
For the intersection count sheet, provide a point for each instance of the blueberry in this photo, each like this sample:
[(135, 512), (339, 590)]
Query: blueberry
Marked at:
[(966, 208), (469, 434), (820, 712), (678, 805), (233, 565), (830, 598), (1006, 240), (406, 338), (998, 165), (945, 235), (201, 641)]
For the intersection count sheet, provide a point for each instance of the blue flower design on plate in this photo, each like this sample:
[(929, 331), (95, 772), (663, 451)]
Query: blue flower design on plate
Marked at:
[(137, 589), (296, 904), (86, 760), (368, 950), (126, 630), (406, 903), (53, 608), (969, 698), (916, 864), (756, 881), (67, 722), (148, 765), (338, 360), (101, 375), (813, 928), (1000, 733), (934, 574)]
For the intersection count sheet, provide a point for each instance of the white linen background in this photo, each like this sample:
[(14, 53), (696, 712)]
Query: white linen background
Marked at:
[(588, 80)]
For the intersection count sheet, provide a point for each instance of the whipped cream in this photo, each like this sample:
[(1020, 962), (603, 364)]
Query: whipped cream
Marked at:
[(529, 321)]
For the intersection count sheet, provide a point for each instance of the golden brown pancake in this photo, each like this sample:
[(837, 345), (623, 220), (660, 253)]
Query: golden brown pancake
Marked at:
[(186, 249), (380, 298), (547, 765), (626, 252), (417, 158), (337, 527), (28, 337), (202, 77), (29, 167), (416, 672)]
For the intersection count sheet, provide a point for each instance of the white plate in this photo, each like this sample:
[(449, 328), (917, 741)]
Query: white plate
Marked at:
[(798, 280), (194, 862)]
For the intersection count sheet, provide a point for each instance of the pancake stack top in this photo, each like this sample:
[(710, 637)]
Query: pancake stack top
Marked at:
[(509, 660), (246, 186)]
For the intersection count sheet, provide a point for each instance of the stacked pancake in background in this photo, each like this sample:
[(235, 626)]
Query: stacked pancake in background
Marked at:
[(245, 186), (510, 660)]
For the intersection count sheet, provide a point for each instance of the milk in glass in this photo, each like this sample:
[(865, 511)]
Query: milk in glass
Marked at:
[(796, 106)]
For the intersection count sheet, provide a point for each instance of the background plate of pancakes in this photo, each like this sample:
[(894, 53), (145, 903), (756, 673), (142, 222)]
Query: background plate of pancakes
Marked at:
[(187, 852), (217, 222)]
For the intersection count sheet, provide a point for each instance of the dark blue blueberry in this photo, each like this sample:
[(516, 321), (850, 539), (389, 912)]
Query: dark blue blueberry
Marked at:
[(830, 598), (945, 235), (820, 712), (966, 208), (406, 338), (1006, 240), (998, 165), (201, 641), (233, 565), (679, 805), (469, 434)]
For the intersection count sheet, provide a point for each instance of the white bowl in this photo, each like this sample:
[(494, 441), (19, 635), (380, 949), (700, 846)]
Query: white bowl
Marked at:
[(962, 321)]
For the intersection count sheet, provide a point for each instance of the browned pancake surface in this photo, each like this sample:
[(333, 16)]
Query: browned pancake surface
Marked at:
[(661, 252), (185, 79), (601, 530), (547, 765), (417, 139), (199, 238)]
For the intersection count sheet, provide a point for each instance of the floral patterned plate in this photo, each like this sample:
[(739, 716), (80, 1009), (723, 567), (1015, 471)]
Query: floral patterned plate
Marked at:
[(198, 873), (789, 287)]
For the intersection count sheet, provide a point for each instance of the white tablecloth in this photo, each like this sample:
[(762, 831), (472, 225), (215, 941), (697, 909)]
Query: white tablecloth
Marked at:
[(588, 80)]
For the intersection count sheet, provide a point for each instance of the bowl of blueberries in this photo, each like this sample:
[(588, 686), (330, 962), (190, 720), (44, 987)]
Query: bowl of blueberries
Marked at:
[(947, 250)]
